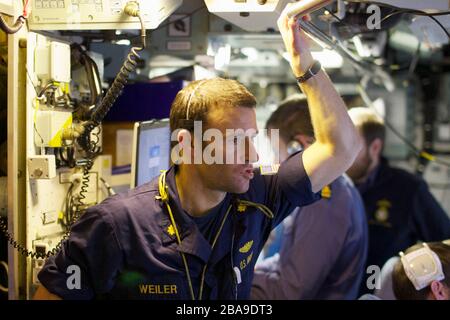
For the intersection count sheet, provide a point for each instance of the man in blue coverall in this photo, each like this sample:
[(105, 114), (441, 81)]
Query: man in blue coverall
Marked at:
[(400, 208), (323, 245), (196, 232)]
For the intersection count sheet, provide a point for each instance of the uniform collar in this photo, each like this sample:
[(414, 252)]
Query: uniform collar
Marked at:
[(374, 176), (192, 241)]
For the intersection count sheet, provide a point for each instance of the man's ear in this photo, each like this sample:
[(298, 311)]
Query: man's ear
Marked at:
[(439, 291), (183, 151), (375, 149)]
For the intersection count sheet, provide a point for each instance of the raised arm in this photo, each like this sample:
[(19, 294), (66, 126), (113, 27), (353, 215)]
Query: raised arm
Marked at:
[(337, 142)]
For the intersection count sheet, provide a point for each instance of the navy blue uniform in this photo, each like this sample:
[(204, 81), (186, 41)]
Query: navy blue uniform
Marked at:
[(401, 211), (126, 246)]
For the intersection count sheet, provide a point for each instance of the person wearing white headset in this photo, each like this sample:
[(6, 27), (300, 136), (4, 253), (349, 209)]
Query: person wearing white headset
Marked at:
[(423, 272)]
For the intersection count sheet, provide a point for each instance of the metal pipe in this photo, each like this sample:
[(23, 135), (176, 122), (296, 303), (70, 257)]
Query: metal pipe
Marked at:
[(304, 7)]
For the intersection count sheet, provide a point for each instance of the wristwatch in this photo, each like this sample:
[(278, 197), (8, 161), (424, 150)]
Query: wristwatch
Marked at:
[(312, 71)]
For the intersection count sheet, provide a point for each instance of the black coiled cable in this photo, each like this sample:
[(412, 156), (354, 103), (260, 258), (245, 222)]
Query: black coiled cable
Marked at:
[(22, 250), (14, 28), (85, 141), (84, 187), (79, 210), (114, 92), (128, 67)]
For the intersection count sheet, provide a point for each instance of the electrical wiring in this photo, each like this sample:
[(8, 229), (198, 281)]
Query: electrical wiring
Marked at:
[(26, 8), (70, 216), (39, 96), (441, 162), (417, 152), (67, 155), (357, 62), (387, 5), (400, 10), (36, 109), (177, 20), (14, 28), (414, 61), (68, 206), (350, 26), (109, 189), (414, 12), (75, 205), (131, 38), (90, 147), (68, 219), (18, 24), (410, 67), (5, 266), (326, 11), (23, 250), (32, 83)]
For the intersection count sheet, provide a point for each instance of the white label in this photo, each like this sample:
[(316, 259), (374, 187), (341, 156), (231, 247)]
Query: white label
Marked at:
[(179, 45), (238, 275)]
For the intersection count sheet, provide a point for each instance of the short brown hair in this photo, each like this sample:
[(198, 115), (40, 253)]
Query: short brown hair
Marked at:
[(403, 287), (368, 123), (292, 117), (208, 94)]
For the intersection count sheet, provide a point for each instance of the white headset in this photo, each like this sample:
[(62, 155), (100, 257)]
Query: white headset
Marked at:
[(422, 267), (190, 98), (294, 146)]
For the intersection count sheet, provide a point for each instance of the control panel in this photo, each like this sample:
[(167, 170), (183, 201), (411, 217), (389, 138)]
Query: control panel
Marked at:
[(97, 14)]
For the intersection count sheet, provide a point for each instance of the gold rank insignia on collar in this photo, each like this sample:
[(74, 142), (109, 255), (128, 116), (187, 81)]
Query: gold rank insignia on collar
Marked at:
[(326, 192), (171, 230), (241, 207), (268, 170)]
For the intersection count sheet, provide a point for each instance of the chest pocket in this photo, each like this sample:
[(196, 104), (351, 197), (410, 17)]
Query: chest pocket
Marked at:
[(246, 253), (245, 258), (253, 219)]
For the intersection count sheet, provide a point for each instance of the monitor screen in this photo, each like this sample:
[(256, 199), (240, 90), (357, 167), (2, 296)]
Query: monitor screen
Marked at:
[(152, 150)]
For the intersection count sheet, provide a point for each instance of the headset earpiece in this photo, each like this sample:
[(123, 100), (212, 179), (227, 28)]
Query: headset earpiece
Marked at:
[(189, 123), (294, 146)]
